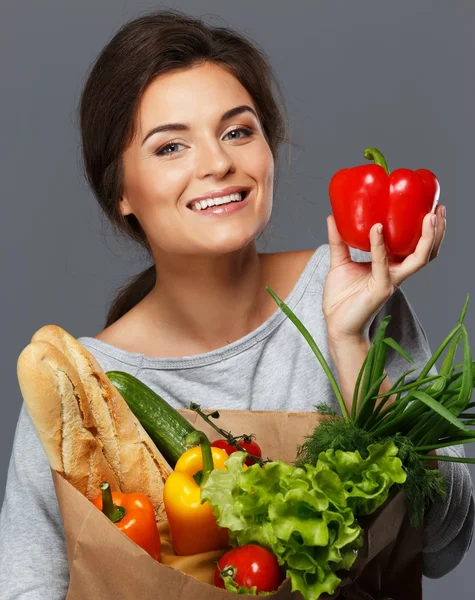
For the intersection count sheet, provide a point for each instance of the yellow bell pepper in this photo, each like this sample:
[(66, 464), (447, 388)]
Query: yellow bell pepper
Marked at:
[(193, 527)]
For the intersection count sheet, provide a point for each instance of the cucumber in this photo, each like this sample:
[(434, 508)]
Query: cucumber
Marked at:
[(162, 422)]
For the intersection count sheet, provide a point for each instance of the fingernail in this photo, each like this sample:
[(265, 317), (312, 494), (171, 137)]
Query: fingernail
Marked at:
[(379, 229), (443, 211), (433, 220)]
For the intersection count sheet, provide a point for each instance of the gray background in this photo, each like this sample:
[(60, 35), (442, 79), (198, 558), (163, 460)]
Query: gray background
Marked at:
[(395, 75)]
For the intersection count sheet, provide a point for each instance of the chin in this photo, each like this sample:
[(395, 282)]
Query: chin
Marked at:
[(225, 247), (234, 240)]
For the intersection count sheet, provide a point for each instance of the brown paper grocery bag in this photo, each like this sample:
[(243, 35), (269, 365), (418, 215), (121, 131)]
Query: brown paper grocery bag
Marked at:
[(104, 563)]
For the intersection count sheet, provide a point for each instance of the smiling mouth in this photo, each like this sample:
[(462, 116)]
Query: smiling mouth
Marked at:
[(213, 202)]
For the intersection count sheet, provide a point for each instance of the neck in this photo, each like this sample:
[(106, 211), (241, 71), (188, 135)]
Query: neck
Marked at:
[(208, 301)]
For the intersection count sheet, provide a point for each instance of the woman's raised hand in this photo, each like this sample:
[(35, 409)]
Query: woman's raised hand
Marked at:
[(355, 291)]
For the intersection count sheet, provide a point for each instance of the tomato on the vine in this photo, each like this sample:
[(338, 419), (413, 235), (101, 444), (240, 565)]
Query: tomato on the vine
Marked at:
[(250, 447), (248, 566)]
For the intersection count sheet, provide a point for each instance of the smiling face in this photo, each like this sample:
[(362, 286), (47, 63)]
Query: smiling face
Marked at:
[(210, 148)]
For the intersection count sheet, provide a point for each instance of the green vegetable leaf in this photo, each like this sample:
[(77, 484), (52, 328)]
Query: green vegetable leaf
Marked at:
[(326, 409), (454, 459), (467, 381), (397, 348), (312, 585), (306, 515), (438, 408), (366, 481), (315, 349), (356, 391), (232, 586)]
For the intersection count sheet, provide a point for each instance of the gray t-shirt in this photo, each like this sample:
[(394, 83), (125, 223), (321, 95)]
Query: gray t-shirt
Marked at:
[(272, 368)]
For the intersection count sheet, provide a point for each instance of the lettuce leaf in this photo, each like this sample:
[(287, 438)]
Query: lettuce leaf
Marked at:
[(307, 516), (366, 481), (232, 586)]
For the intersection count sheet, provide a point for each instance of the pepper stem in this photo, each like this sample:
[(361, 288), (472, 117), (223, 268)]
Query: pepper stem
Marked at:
[(111, 510), (198, 438), (378, 157)]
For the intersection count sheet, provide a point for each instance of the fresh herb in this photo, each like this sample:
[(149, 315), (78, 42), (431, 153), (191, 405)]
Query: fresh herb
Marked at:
[(428, 413)]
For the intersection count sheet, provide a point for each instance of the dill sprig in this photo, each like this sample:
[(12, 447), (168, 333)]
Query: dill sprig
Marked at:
[(333, 433)]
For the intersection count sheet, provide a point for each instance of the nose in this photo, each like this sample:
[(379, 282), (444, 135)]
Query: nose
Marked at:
[(213, 159)]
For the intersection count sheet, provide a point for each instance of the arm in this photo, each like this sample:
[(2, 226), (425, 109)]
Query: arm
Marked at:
[(33, 563)]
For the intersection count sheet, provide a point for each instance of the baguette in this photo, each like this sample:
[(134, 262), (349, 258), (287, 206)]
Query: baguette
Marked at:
[(58, 406), (133, 457)]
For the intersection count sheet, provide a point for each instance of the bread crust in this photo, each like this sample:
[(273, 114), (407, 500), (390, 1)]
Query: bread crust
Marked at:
[(133, 458), (60, 411)]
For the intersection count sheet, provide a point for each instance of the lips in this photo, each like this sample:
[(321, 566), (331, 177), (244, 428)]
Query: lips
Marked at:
[(243, 191), (220, 193), (222, 209)]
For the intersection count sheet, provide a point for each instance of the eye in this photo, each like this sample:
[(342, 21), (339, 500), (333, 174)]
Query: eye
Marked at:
[(170, 148), (245, 130), (163, 151)]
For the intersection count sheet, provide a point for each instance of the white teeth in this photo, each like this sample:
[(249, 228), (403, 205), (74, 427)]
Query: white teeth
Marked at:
[(203, 204)]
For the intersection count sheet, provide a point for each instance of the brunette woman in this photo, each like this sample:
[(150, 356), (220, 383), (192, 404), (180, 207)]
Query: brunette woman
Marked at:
[(181, 124)]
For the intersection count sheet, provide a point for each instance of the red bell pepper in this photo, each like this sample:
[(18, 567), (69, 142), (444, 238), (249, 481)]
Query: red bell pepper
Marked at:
[(367, 194)]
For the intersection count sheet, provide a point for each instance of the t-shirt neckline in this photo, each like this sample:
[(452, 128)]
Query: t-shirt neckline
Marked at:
[(141, 361)]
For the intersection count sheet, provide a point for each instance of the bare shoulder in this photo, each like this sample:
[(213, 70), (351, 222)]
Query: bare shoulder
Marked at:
[(292, 262), (282, 269), (110, 334), (106, 335), (120, 330)]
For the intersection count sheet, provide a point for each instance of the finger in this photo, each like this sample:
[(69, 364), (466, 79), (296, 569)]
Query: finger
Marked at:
[(421, 254), (379, 258), (339, 251), (440, 231)]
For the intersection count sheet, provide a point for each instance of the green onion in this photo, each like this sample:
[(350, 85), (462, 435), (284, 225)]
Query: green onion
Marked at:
[(456, 459), (316, 350), (433, 413)]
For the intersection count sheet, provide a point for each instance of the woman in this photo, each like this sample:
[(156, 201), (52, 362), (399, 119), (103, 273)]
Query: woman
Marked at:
[(180, 132)]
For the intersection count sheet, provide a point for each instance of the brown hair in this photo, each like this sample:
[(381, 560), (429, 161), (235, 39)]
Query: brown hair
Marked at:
[(141, 50)]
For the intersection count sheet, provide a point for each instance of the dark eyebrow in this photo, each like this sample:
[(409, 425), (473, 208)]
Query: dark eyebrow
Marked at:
[(233, 112)]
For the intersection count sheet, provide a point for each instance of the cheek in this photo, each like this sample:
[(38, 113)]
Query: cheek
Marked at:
[(266, 172), (260, 165), (270, 173), (261, 169), (151, 188), (262, 159)]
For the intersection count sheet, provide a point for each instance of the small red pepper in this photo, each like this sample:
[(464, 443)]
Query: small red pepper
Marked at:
[(134, 515), (367, 194)]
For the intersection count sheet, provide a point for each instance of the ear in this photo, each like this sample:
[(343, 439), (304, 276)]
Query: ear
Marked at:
[(125, 207)]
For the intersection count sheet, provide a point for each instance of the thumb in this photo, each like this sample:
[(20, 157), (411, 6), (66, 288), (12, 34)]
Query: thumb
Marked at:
[(339, 251)]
